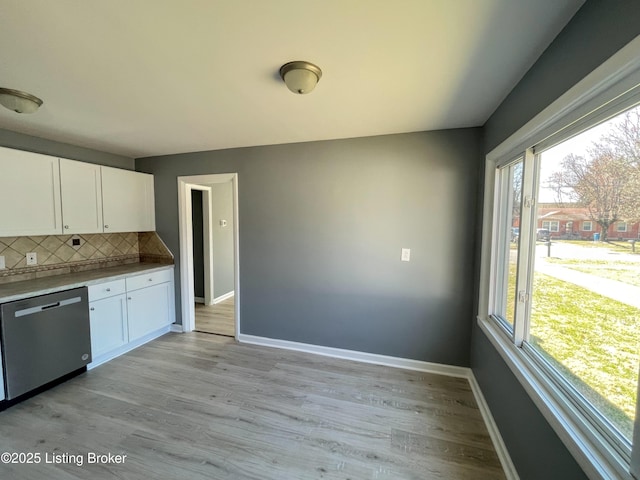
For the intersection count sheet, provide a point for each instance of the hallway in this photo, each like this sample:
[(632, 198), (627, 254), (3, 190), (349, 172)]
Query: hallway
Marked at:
[(218, 319)]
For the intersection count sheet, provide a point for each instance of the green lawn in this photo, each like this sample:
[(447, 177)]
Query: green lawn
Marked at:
[(614, 245), (592, 339)]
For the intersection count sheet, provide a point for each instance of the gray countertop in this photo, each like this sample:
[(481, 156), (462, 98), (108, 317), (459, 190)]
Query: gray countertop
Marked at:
[(41, 286)]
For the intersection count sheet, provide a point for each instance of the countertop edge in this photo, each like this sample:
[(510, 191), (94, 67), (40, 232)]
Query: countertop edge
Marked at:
[(58, 283)]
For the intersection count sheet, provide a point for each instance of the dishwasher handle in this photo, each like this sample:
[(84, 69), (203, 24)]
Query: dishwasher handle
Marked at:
[(41, 308), (53, 305)]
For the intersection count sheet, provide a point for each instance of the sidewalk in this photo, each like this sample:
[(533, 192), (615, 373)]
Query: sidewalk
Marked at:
[(622, 292)]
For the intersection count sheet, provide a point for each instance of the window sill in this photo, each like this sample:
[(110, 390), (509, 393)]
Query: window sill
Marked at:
[(592, 452)]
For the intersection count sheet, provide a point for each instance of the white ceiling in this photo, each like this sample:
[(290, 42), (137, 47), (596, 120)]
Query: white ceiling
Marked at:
[(152, 77)]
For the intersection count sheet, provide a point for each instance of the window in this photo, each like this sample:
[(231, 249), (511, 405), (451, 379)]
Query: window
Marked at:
[(549, 300), (510, 181), (586, 334)]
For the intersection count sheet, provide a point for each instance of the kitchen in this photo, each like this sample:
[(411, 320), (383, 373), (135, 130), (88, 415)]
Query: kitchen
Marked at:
[(85, 277)]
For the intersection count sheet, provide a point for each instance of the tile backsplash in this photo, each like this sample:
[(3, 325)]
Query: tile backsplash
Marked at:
[(152, 248), (59, 254)]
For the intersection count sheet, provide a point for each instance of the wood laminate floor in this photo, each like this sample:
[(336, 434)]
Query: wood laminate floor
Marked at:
[(218, 319), (198, 406)]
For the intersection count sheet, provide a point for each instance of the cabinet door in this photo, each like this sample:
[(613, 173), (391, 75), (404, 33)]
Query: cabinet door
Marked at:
[(108, 319), (127, 201), (148, 310), (81, 197), (29, 194)]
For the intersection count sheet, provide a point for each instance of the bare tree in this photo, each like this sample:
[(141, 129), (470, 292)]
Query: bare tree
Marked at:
[(607, 181), (623, 139), (517, 191), (607, 186)]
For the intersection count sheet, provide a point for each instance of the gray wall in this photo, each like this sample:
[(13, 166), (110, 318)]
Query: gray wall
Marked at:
[(198, 243), (321, 229), (222, 209), (20, 141), (596, 32)]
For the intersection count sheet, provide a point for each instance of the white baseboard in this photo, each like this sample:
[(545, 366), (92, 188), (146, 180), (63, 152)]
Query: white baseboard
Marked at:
[(364, 357), (408, 364), (224, 297), (128, 347), (176, 328), (498, 443)]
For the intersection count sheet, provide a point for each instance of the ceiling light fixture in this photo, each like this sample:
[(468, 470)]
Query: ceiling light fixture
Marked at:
[(300, 77), (20, 102)]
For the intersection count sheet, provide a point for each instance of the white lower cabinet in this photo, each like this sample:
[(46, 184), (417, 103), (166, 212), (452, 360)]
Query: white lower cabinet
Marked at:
[(128, 312), (148, 310), (109, 329)]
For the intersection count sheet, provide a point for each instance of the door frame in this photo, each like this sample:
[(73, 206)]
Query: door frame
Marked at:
[(185, 186)]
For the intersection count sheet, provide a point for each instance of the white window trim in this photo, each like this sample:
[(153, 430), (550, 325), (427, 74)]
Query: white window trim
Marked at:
[(604, 85), (597, 458), (620, 224), (551, 224), (590, 229)]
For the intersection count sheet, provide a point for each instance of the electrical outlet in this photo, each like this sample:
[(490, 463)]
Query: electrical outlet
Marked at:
[(406, 255), (32, 258), (2, 264)]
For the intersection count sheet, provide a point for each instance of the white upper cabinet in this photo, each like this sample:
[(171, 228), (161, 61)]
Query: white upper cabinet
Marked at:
[(44, 195), (81, 197), (127, 201), (29, 194)]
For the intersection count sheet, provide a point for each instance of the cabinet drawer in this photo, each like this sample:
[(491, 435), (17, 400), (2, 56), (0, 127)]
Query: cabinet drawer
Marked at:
[(148, 279), (106, 289)]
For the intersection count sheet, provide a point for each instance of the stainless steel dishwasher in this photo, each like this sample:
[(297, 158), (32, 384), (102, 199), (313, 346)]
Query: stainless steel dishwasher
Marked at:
[(44, 338)]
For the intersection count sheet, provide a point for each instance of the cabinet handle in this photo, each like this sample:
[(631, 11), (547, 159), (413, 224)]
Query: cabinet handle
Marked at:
[(108, 289), (66, 227), (106, 226), (128, 298), (151, 279), (92, 309)]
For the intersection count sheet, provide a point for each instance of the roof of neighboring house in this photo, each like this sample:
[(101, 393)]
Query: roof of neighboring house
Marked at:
[(563, 213), (570, 212)]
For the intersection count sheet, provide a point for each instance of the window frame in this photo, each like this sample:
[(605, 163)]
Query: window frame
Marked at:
[(620, 224), (609, 89), (590, 229)]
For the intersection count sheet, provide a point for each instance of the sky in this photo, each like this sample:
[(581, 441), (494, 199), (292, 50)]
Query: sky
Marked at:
[(551, 159)]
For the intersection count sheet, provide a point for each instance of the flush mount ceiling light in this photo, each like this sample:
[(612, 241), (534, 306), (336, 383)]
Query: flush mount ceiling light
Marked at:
[(20, 102), (300, 77)]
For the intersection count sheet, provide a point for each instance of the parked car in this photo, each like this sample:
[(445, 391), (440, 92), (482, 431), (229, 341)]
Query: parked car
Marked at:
[(543, 235), (515, 234)]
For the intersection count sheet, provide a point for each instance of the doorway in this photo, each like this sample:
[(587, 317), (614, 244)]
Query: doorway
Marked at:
[(209, 265)]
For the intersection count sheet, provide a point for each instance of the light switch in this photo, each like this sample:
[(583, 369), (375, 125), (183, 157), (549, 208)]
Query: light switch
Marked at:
[(2, 264), (406, 255)]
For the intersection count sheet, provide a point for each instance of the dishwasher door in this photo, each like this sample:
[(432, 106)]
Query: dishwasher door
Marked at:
[(44, 338)]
